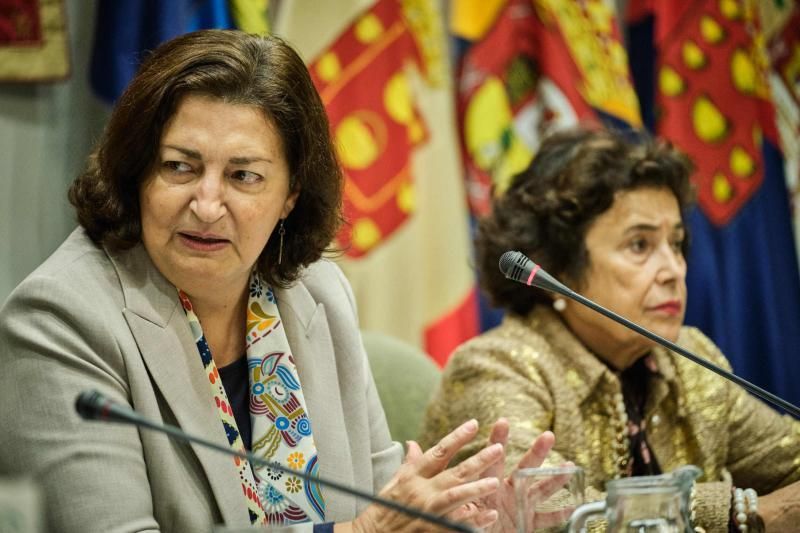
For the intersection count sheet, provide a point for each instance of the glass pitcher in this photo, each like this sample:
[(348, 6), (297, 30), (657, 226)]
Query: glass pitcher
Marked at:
[(646, 504)]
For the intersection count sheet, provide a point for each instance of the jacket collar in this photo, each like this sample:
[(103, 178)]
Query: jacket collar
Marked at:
[(585, 371), (159, 326), (307, 330)]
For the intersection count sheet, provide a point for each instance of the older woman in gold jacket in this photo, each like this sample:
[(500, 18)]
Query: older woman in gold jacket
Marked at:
[(605, 216)]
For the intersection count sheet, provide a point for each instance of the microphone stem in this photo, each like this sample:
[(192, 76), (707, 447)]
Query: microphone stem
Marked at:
[(754, 389), (255, 460)]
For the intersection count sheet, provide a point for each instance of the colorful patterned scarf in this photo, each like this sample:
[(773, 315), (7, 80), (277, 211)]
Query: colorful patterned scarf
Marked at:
[(280, 424)]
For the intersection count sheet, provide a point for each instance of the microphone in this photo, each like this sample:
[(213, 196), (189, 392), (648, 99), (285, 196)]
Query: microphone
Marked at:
[(516, 266), (92, 405)]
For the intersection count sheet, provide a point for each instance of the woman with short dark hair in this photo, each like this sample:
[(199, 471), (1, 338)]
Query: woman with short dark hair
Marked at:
[(194, 292), (263, 73), (604, 214)]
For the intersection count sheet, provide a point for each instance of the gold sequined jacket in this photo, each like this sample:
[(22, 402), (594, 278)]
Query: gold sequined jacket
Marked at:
[(537, 374)]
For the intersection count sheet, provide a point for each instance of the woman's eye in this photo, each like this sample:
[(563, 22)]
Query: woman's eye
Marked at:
[(245, 176), (638, 245), (677, 246), (177, 166)]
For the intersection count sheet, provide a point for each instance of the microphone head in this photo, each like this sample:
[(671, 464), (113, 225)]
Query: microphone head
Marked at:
[(90, 404), (515, 265)]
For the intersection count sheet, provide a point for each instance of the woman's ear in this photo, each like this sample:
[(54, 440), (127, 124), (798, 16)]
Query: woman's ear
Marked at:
[(290, 202)]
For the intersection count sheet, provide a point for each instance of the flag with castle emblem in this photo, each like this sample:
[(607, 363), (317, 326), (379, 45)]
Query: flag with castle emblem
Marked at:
[(381, 68), (701, 74)]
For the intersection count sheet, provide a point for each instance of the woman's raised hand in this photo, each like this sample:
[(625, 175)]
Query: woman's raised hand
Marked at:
[(503, 500), (425, 482), (474, 492)]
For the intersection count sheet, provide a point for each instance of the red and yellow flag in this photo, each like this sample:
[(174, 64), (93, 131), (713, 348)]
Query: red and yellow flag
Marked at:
[(363, 80), (708, 69), (713, 99), (382, 70), (527, 67)]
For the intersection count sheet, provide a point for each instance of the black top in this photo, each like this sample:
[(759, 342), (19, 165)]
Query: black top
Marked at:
[(636, 382), (236, 380)]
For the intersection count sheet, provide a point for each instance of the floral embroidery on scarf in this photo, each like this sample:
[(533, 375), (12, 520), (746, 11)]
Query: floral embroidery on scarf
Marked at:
[(280, 423)]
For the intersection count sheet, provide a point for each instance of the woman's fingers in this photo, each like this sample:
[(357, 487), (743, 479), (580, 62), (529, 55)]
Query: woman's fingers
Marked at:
[(499, 432), (465, 513), (450, 499), (463, 483), (498, 435), (471, 468), (413, 451), (425, 482), (486, 519), (474, 515), (436, 459), (538, 451)]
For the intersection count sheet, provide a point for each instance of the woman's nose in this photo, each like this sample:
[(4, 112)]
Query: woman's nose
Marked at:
[(208, 201), (673, 265)]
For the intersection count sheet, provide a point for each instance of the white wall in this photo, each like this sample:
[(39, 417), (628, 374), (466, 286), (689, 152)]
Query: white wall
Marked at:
[(46, 131)]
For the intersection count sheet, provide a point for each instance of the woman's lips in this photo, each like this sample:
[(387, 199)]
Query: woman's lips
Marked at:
[(672, 308), (203, 243)]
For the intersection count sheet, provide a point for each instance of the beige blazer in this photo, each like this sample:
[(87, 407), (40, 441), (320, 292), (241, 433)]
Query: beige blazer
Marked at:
[(91, 319)]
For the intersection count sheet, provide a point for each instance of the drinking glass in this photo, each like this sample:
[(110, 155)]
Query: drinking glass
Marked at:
[(546, 497)]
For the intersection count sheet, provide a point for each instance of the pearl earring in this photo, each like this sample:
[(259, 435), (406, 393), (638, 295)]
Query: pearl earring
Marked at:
[(559, 304)]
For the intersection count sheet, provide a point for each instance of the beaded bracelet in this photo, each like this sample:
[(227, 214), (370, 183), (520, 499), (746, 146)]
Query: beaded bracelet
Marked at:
[(745, 502)]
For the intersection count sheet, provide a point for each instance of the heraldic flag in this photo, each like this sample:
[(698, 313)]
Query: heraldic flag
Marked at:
[(527, 68), (701, 72), (382, 70)]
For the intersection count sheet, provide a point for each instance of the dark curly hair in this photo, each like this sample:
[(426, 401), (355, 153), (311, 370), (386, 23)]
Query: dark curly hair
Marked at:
[(549, 207), (237, 68)]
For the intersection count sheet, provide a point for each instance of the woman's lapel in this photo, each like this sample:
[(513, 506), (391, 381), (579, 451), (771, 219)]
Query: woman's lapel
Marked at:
[(158, 323), (309, 336)]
